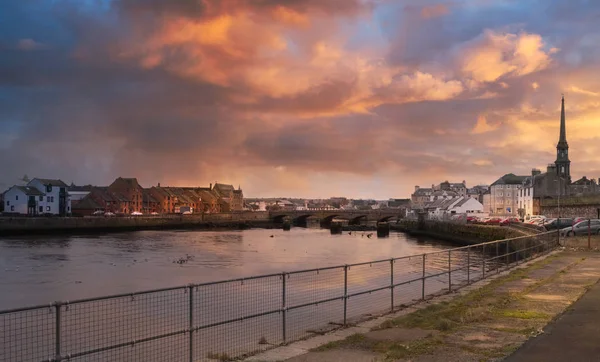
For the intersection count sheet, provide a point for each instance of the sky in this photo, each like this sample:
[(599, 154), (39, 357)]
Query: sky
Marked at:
[(304, 98)]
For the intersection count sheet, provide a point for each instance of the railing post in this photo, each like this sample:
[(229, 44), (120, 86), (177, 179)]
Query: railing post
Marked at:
[(423, 286), (345, 292), (469, 265), (392, 284), (449, 271), (507, 254), (191, 321), (283, 307), (497, 258), (57, 307), (483, 263)]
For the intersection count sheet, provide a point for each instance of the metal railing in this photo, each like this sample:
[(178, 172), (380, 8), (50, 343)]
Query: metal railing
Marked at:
[(236, 318)]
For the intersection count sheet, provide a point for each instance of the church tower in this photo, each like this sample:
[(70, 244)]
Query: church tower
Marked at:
[(563, 165)]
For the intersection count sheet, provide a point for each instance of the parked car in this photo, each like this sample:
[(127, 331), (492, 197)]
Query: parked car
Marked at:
[(581, 228), (509, 220), (472, 219), (98, 213), (530, 218), (493, 221), (578, 219), (154, 213), (109, 214), (553, 224), (136, 213)]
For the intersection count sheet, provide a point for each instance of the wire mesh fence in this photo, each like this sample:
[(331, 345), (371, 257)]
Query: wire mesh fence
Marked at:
[(232, 319)]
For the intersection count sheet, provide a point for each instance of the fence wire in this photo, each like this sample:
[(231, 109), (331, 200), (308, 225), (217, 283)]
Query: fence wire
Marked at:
[(232, 319)]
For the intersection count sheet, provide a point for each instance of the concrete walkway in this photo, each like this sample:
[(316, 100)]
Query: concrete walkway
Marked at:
[(575, 336)]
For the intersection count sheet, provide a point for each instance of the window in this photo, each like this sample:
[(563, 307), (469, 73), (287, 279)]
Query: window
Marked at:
[(12, 208), (500, 194), (41, 198), (529, 192), (68, 208), (51, 198), (508, 194), (47, 208), (47, 198), (41, 209), (7, 203), (48, 188), (17, 197)]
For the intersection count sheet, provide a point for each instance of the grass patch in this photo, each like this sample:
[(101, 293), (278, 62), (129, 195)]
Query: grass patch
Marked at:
[(522, 314), (218, 356), (389, 349), (523, 331), (355, 341)]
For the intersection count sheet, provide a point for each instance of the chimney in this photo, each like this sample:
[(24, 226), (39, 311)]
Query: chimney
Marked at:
[(535, 172), (416, 188), (210, 186), (551, 168), (465, 183), (159, 184)]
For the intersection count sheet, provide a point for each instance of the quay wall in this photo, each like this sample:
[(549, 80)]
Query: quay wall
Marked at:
[(463, 234), (34, 225)]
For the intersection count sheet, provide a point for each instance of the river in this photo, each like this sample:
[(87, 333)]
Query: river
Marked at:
[(42, 269)]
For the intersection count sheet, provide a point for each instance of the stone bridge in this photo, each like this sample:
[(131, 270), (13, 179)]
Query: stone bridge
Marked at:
[(354, 217)]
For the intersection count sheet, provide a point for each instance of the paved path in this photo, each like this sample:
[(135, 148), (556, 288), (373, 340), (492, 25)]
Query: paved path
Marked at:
[(575, 336)]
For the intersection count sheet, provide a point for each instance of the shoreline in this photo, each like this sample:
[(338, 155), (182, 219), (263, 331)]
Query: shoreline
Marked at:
[(79, 226)]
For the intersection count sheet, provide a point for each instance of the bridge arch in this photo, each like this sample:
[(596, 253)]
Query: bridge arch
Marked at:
[(387, 218), (356, 220)]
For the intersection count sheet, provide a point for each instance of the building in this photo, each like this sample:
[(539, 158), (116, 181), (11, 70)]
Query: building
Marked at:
[(420, 197), (445, 208), (477, 192), (149, 203), (466, 205), (129, 189), (460, 188), (231, 199), (584, 186), (24, 200), (107, 200), (538, 186), (487, 202), (57, 200), (86, 207), (76, 193), (504, 195)]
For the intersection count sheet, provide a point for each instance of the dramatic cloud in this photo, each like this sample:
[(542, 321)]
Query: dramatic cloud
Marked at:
[(362, 98)]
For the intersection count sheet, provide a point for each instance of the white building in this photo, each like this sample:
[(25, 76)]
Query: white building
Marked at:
[(24, 200), (466, 205), (57, 200)]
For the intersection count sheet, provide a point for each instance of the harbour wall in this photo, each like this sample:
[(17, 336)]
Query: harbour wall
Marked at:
[(40, 225)]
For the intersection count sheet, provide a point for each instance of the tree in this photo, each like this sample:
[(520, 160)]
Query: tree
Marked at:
[(25, 179)]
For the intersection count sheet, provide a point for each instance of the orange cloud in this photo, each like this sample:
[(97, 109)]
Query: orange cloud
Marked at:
[(482, 126), (493, 55)]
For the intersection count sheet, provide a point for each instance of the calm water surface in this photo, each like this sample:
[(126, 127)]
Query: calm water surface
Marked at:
[(41, 269)]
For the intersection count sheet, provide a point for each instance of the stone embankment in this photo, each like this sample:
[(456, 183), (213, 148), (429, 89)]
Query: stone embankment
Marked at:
[(38, 225), (465, 234)]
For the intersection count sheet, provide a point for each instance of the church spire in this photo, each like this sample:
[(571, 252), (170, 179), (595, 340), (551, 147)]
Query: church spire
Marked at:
[(562, 141), (563, 164)]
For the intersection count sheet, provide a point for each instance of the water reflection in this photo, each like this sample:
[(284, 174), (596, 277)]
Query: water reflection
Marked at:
[(38, 270)]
